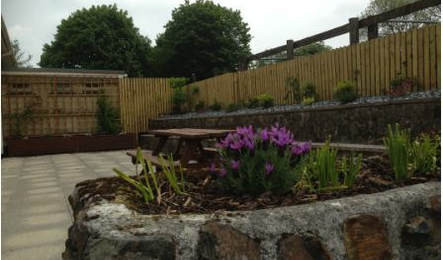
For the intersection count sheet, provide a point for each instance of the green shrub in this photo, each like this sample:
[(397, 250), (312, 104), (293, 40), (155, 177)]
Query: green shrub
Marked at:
[(345, 92), (215, 106), (401, 85), (108, 117), (253, 103), (200, 106), (424, 153), (232, 107), (397, 143), (308, 90), (177, 82), (20, 120), (325, 167), (265, 100), (293, 89), (308, 101), (178, 93)]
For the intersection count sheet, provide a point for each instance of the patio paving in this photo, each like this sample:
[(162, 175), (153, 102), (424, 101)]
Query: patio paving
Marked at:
[(35, 209)]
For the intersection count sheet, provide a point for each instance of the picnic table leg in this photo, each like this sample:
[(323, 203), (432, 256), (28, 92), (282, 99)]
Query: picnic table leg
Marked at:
[(177, 150), (191, 151), (160, 145)]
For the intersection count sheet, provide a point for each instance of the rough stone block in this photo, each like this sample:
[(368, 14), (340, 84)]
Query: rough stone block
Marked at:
[(366, 238), (294, 247), (219, 241)]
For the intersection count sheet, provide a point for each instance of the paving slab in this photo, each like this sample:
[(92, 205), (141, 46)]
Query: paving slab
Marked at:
[(35, 210)]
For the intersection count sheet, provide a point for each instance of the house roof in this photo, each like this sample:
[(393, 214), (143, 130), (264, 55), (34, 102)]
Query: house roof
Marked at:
[(65, 72), (8, 59)]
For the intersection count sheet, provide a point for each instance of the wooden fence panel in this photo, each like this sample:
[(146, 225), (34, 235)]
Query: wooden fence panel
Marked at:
[(370, 65), (142, 99), (54, 111)]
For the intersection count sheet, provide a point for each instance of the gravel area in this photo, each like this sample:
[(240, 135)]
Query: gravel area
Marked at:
[(320, 104)]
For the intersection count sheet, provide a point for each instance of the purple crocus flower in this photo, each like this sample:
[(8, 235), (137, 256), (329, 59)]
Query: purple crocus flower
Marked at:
[(212, 168), (235, 164), (269, 167), (300, 148), (264, 135), (249, 143), (236, 145), (222, 172)]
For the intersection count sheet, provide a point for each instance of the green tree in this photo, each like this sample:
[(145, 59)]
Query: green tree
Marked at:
[(375, 7), (309, 49), (101, 37), (21, 58), (204, 39)]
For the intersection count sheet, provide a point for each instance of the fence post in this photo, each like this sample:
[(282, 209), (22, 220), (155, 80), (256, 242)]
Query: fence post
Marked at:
[(373, 31), (289, 49), (353, 30)]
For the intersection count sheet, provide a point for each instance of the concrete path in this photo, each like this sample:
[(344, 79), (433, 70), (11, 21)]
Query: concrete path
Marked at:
[(35, 210)]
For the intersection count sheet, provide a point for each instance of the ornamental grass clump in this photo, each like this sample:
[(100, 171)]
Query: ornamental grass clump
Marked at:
[(150, 186), (424, 154), (320, 171), (255, 162), (397, 143)]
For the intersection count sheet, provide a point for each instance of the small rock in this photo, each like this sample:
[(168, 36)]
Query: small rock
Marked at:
[(434, 204), (366, 238), (219, 241), (417, 232), (295, 247)]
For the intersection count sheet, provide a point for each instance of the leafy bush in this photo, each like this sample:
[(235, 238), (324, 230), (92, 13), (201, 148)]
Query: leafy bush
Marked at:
[(308, 101), (150, 189), (345, 92), (424, 153), (200, 106), (178, 93), (294, 89), (108, 117), (215, 106), (397, 143), (401, 85), (20, 120), (253, 103), (265, 100), (308, 90), (232, 107), (258, 161)]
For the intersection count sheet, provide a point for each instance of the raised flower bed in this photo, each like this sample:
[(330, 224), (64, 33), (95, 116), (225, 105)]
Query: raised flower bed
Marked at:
[(248, 205)]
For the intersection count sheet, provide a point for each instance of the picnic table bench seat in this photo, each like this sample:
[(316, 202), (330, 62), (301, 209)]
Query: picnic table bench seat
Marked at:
[(147, 155)]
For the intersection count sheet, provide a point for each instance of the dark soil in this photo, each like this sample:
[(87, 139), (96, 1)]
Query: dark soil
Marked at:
[(203, 196)]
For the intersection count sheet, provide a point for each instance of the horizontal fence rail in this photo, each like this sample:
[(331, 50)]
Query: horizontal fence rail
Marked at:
[(370, 65), (352, 27)]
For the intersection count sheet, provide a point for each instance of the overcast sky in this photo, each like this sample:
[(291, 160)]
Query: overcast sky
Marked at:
[(272, 22)]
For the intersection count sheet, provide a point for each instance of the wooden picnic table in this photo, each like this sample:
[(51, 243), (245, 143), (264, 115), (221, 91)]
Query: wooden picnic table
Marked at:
[(190, 140)]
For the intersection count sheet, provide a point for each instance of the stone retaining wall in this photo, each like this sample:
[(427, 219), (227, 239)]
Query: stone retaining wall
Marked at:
[(353, 123), (402, 223)]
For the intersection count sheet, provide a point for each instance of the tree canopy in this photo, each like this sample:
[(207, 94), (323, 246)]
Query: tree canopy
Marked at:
[(204, 39), (431, 14), (101, 37)]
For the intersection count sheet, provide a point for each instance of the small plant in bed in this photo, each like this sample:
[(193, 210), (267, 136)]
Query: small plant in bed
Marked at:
[(322, 171), (254, 162), (149, 187), (345, 92)]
